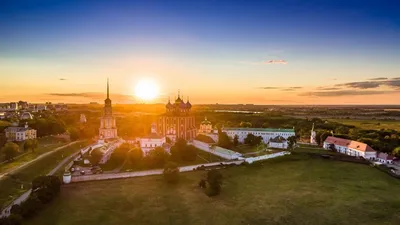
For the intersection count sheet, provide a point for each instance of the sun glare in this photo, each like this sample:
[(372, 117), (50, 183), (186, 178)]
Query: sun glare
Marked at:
[(146, 90)]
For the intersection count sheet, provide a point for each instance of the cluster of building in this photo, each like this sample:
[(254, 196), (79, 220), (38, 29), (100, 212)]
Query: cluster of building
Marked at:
[(357, 149), (274, 138), (17, 133), (23, 110)]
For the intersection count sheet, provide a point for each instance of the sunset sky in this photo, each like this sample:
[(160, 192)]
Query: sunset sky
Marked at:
[(333, 52)]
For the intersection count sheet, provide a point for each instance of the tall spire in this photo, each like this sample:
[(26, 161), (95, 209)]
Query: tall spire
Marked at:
[(108, 90), (179, 93)]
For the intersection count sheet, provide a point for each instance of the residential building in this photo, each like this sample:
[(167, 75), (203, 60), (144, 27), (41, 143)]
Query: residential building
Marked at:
[(278, 142), (108, 126), (177, 121), (15, 133), (384, 158), (349, 147), (266, 133)]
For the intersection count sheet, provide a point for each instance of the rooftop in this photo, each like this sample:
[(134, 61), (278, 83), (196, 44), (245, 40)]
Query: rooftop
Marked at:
[(349, 144)]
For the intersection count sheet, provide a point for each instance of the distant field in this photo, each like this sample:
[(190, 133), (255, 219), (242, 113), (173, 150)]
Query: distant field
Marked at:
[(11, 186), (288, 190), (370, 124)]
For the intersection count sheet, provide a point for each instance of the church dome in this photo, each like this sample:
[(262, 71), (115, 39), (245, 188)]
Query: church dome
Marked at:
[(168, 105), (182, 105), (188, 105), (205, 122)]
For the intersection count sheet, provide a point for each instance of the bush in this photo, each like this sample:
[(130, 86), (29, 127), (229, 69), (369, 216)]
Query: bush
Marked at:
[(45, 188), (13, 219), (171, 172), (214, 181), (30, 206)]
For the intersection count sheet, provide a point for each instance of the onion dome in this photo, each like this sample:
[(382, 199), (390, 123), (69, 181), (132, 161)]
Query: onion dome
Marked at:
[(168, 105), (188, 105), (206, 122), (182, 105)]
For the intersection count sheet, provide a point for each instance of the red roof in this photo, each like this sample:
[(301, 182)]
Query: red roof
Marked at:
[(349, 144), (385, 156)]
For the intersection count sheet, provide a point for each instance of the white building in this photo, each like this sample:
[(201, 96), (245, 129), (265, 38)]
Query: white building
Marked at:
[(265, 133), (385, 158), (15, 133), (349, 147), (278, 142), (108, 125), (151, 141), (205, 127)]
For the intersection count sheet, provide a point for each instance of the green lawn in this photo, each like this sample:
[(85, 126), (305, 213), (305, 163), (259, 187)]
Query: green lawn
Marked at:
[(245, 148), (370, 124), (10, 186), (293, 189), (44, 145)]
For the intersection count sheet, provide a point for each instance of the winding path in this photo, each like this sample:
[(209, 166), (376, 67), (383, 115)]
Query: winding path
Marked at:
[(15, 169), (23, 197)]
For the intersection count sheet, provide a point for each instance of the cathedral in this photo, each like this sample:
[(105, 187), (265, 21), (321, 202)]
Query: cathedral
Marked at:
[(177, 122), (108, 127)]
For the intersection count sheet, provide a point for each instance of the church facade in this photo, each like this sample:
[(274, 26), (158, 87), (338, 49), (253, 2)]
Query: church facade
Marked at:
[(177, 122), (108, 126)]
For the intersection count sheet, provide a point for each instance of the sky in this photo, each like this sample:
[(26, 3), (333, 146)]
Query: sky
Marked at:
[(258, 52)]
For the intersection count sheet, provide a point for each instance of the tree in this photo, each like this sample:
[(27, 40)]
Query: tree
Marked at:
[(45, 188), (214, 181), (342, 130), (135, 155), (119, 155), (236, 140), (181, 151), (10, 150), (324, 136), (171, 172), (95, 156), (73, 134), (204, 138), (30, 144), (156, 158), (224, 140), (291, 142), (27, 145), (245, 124), (396, 152), (253, 140)]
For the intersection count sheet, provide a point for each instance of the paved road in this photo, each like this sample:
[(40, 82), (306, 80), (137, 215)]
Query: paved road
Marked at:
[(13, 170), (23, 197), (143, 173)]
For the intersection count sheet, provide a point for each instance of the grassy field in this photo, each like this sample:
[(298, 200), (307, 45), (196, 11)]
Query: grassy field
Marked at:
[(287, 190), (10, 186), (370, 124), (44, 145), (245, 148)]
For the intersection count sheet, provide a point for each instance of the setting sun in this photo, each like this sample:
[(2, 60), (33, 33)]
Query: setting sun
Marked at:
[(146, 90)]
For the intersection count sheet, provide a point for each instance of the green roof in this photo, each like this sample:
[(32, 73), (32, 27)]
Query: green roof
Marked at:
[(259, 129)]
